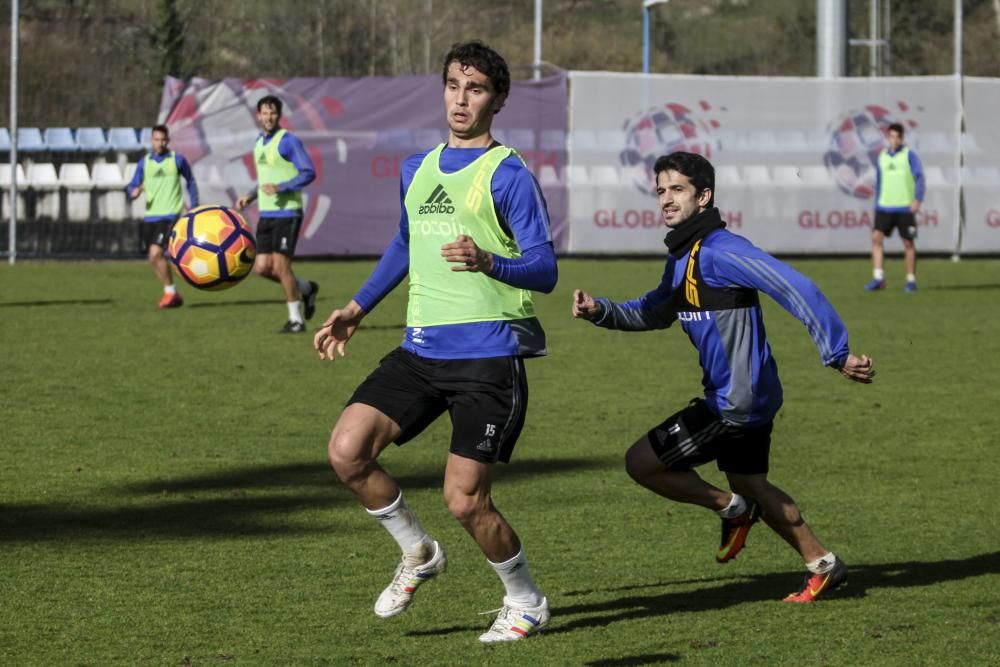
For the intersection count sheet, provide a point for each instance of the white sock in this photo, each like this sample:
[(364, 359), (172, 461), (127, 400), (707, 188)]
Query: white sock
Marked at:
[(878, 274), (295, 311), (911, 277), (304, 286), (823, 564), (736, 507), (170, 289), (404, 528), (516, 578)]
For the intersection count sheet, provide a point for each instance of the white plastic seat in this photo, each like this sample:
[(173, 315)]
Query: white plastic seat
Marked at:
[(727, 175), (787, 175), (989, 176), (137, 206), (75, 177), (548, 176), (815, 175), (576, 174), (110, 191), (756, 174), (5, 174), (41, 177), (762, 141), (605, 175), (935, 176), (552, 140)]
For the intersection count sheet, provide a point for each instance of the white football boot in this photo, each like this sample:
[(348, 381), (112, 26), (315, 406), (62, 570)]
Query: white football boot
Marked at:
[(515, 622), (399, 594)]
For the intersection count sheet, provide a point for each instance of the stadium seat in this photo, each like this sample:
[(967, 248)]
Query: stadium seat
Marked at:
[(92, 140), (41, 177), (728, 175), (815, 175), (522, 140), (756, 174), (552, 140), (583, 140), (75, 177), (762, 141), (5, 173), (29, 139), (605, 175), (146, 137), (576, 174), (548, 176), (59, 139), (793, 141), (137, 207), (988, 176), (787, 175), (110, 185), (935, 176), (4, 139), (124, 139)]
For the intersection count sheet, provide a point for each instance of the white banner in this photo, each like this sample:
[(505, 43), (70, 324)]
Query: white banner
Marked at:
[(794, 158), (981, 180)]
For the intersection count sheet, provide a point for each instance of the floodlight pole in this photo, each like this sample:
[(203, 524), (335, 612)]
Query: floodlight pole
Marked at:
[(538, 40), (646, 4), (12, 230)]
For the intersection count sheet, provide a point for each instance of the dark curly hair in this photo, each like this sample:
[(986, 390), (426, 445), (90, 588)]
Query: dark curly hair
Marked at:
[(484, 59), (270, 101), (699, 171)]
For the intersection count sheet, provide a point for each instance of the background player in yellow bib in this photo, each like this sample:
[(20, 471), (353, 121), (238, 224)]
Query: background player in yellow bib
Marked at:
[(474, 241), (158, 176), (283, 170), (899, 191)]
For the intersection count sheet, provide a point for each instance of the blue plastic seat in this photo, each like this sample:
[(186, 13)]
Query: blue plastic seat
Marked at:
[(59, 139), (124, 139), (4, 139), (30, 139), (92, 139)]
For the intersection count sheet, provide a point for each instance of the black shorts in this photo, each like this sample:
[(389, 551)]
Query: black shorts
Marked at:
[(279, 235), (486, 399), (906, 223), (696, 435), (155, 233)]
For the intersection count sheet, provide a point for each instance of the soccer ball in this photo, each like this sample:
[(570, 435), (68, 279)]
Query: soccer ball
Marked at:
[(212, 247)]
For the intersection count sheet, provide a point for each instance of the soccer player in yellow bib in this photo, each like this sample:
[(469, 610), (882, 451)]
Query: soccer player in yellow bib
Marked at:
[(474, 241), (158, 176), (283, 170)]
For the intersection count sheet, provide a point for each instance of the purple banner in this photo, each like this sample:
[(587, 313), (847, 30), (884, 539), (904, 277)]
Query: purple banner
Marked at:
[(357, 132)]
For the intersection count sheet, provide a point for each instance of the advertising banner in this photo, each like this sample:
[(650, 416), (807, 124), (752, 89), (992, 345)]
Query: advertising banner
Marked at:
[(794, 158), (357, 132), (981, 175)]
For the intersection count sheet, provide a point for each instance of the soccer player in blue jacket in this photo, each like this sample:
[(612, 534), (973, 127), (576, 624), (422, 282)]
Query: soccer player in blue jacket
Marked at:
[(711, 284)]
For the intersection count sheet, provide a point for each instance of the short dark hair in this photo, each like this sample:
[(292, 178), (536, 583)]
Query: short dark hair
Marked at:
[(269, 101), (161, 128), (699, 171), (484, 59), (897, 127)]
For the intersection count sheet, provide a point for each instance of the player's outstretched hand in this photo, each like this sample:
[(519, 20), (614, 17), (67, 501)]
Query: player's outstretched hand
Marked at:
[(331, 338), (859, 369), (467, 256), (584, 305)]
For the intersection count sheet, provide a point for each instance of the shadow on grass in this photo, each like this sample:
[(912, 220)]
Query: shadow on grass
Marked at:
[(735, 590), (241, 302), (57, 302), (247, 501), (958, 288), (731, 590)]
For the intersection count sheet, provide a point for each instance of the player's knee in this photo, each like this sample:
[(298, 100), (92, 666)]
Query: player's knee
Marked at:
[(463, 507), (263, 270), (344, 455)]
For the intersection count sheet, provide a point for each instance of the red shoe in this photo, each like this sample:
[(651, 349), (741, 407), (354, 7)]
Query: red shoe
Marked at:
[(817, 584), (171, 301), (735, 531)]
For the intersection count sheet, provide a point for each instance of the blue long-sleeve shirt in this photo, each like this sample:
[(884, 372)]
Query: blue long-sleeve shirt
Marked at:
[(182, 167), (290, 147), (740, 375), (919, 183), (519, 202)]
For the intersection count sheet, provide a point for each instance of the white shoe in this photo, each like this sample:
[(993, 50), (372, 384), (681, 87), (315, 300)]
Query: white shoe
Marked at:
[(514, 622), (399, 594)]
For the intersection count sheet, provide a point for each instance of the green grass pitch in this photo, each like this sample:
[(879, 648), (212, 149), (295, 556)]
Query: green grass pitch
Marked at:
[(165, 497)]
